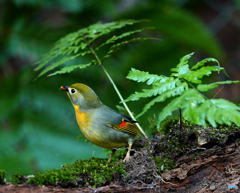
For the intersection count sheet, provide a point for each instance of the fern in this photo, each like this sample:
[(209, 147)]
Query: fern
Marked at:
[(184, 87), (82, 42)]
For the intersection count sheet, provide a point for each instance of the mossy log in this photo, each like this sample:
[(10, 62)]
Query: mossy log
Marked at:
[(212, 170)]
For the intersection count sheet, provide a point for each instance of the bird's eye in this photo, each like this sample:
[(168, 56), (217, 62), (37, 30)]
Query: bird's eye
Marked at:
[(73, 91)]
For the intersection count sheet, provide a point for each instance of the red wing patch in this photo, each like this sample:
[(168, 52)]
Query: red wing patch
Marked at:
[(123, 124)]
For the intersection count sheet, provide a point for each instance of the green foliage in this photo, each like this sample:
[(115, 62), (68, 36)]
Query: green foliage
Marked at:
[(80, 43), (2, 176), (94, 172), (183, 87)]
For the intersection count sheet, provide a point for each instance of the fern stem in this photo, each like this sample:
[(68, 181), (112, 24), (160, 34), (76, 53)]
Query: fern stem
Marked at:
[(117, 91), (198, 91), (180, 117)]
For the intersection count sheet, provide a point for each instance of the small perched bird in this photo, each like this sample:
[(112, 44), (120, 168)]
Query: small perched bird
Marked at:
[(100, 124)]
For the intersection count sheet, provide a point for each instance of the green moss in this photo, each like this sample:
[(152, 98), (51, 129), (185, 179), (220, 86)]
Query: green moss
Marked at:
[(94, 172), (2, 176), (17, 178), (168, 123), (164, 164)]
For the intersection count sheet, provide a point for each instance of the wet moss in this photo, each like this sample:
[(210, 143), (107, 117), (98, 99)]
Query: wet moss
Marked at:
[(164, 164), (94, 172), (176, 141)]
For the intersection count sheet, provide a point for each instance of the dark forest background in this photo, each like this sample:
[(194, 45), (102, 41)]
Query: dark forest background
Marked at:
[(37, 122)]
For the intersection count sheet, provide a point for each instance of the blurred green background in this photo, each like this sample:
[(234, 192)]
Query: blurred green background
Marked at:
[(37, 122)]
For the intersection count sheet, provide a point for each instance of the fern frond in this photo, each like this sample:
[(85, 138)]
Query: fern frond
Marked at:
[(206, 87), (202, 112), (69, 69), (167, 94), (202, 62), (195, 76), (56, 64), (77, 44), (223, 111), (141, 76), (157, 89), (183, 66), (188, 100), (195, 107)]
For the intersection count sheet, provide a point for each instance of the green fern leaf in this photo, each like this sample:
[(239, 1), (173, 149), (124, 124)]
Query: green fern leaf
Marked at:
[(69, 69), (141, 76), (168, 110), (224, 104), (201, 63), (56, 64), (183, 62), (161, 98), (206, 87), (187, 98), (202, 112), (211, 115), (183, 70), (194, 76), (233, 115), (183, 67), (76, 43), (156, 90), (190, 113), (184, 59), (195, 107)]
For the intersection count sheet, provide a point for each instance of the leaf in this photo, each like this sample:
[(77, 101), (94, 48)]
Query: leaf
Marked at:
[(183, 101), (224, 104), (184, 60), (206, 87), (195, 107), (190, 113), (56, 64), (223, 111), (77, 43), (69, 69), (141, 76), (195, 76), (183, 70), (155, 90), (201, 63), (161, 98), (202, 112)]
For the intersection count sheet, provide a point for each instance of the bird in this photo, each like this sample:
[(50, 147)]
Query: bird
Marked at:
[(100, 124)]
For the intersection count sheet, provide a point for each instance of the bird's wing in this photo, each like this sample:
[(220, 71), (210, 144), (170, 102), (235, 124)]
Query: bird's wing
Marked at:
[(127, 127), (121, 122)]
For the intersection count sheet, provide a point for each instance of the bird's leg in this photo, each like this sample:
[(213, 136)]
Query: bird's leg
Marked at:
[(113, 152), (126, 159)]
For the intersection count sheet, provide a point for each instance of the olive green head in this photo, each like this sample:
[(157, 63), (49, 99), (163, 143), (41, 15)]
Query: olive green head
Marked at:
[(82, 95)]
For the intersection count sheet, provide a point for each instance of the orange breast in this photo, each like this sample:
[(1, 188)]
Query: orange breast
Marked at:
[(82, 118)]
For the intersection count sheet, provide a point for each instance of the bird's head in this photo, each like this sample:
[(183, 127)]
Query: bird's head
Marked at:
[(83, 96)]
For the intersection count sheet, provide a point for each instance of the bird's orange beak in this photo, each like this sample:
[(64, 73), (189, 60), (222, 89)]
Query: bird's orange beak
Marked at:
[(64, 88)]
